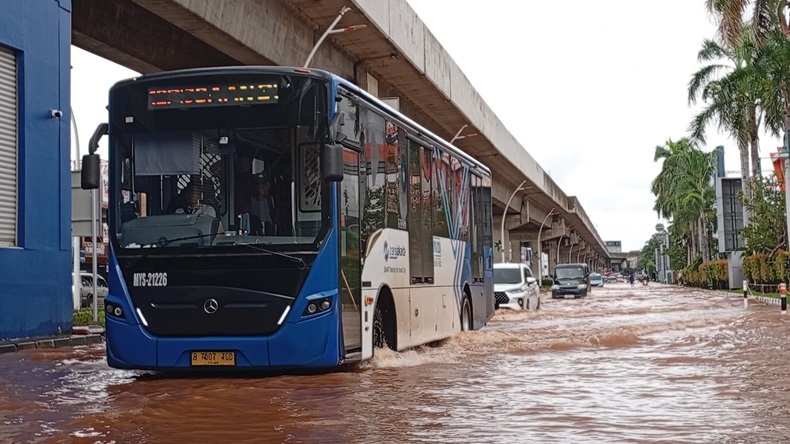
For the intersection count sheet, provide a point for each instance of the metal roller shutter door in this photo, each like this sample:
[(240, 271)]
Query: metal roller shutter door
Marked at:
[(8, 148)]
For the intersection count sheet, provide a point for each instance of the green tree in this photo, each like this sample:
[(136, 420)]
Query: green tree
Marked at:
[(768, 230), (684, 194), (727, 89), (766, 17), (647, 256), (768, 30)]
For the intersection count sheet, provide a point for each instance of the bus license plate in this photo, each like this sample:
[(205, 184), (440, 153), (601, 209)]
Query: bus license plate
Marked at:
[(213, 358)]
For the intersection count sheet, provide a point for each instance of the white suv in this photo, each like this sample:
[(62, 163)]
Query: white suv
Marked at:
[(515, 287)]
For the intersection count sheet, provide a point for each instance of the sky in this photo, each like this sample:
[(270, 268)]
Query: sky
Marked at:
[(588, 88)]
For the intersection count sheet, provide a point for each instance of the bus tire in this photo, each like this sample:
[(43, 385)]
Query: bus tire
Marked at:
[(379, 338), (466, 314), (384, 323)]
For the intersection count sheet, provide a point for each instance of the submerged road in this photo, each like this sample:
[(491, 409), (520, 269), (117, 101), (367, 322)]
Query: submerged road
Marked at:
[(626, 364)]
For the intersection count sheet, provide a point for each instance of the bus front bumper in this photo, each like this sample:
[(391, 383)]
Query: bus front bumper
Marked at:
[(307, 343)]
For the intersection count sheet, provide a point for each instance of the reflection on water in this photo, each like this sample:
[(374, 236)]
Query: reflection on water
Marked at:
[(642, 364)]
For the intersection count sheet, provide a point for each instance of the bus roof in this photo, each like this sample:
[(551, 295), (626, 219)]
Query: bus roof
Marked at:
[(319, 74)]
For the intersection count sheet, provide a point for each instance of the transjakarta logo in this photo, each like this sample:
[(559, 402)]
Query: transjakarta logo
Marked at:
[(393, 251)]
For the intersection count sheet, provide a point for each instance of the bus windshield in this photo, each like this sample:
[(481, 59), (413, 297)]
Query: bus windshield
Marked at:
[(217, 161)]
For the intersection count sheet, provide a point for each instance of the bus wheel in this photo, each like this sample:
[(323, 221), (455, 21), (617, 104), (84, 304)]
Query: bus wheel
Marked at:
[(379, 337), (466, 314)]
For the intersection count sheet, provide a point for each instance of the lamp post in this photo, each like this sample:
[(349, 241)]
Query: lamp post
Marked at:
[(540, 242), (504, 214), (662, 263), (331, 30), (784, 153), (570, 251), (459, 136), (559, 242)]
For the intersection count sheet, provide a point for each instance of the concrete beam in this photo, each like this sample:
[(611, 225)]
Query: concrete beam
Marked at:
[(254, 31), (148, 43), (397, 50)]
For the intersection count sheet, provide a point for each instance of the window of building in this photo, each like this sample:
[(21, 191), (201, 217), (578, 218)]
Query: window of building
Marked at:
[(8, 148)]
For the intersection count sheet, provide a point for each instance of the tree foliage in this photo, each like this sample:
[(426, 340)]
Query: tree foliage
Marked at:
[(765, 201)]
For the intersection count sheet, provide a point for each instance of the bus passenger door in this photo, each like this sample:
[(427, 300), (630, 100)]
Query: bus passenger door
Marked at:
[(420, 223), (350, 253)]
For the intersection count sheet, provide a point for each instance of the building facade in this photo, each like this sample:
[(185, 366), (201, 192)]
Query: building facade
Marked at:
[(614, 246), (35, 199)]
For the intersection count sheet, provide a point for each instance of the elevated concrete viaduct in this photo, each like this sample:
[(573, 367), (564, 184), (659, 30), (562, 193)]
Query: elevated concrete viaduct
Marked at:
[(395, 56)]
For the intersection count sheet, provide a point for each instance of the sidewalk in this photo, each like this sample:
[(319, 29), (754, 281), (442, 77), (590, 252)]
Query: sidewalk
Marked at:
[(80, 336)]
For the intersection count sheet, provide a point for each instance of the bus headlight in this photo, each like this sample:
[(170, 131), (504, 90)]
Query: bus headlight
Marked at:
[(113, 310), (317, 306)]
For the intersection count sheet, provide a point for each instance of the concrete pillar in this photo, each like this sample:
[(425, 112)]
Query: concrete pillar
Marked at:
[(367, 81), (552, 252), (514, 252)]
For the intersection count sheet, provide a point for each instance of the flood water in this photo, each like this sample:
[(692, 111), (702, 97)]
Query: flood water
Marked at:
[(642, 364)]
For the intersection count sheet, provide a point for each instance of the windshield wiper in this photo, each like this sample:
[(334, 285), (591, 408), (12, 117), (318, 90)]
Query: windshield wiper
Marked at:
[(292, 258), (162, 243)]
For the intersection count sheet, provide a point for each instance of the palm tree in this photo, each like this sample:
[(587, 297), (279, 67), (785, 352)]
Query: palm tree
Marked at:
[(767, 17), (684, 193), (768, 23), (729, 92)]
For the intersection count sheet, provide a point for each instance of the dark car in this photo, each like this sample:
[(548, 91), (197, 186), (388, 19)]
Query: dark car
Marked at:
[(571, 281)]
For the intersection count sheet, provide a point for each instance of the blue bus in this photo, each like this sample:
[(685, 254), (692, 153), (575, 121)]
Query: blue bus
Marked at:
[(283, 218)]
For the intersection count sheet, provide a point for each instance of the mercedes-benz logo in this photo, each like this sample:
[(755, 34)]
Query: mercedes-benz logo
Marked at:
[(211, 306)]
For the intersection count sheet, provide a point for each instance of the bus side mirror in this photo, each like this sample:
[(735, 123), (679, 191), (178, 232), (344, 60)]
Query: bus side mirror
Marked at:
[(332, 162), (90, 177)]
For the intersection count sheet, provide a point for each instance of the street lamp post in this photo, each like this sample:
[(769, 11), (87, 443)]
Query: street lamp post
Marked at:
[(662, 263), (784, 153), (504, 215), (540, 242), (331, 30), (459, 136), (559, 242), (570, 251)]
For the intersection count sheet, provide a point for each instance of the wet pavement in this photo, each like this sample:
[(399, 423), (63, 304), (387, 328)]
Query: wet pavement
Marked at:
[(627, 364)]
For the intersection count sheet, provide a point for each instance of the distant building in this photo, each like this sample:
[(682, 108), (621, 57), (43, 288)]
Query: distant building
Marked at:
[(614, 246), (632, 259)]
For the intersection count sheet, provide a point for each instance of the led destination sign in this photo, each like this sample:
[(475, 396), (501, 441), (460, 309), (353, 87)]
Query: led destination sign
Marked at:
[(215, 95)]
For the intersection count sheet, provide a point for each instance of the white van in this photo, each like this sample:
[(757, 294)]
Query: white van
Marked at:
[(515, 287)]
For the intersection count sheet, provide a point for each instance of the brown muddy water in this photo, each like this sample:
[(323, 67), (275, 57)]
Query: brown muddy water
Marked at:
[(641, 364)]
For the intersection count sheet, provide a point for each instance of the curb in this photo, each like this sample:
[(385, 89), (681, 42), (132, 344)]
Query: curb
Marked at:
[(67, 341), (767, 300)]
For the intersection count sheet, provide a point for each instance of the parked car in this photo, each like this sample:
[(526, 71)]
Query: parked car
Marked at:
[(611, 278), (86, 290), (570, 281), (515, 287), (596, 280)]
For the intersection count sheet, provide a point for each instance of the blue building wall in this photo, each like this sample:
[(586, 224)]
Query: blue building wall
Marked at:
[(35, 277)]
